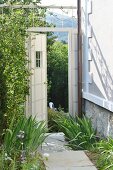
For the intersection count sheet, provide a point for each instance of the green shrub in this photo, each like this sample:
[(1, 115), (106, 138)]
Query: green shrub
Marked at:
[(105, 148), (34, 162), (52, 120), (58, 65), (14, 72), (79, 132), (21, 143), (13, 66), (28, 131)]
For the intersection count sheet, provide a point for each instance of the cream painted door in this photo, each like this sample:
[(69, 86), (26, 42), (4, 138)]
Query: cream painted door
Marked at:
[(38, 90)]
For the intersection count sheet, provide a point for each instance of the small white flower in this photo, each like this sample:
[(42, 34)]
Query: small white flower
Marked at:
[(5, 154), (34, 167), (21, 134), (8, 158), (111, 153), (46, 155)]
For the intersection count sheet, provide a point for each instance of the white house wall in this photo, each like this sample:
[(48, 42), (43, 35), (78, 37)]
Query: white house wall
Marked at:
[(97, 26), (98, 52)]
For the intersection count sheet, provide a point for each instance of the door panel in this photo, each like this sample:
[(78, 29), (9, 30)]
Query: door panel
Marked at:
[(38, 95)]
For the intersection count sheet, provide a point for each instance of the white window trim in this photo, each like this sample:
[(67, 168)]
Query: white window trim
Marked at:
[(99, 101)]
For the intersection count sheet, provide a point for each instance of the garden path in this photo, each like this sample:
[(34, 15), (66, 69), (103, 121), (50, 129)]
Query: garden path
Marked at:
[(59, 157)]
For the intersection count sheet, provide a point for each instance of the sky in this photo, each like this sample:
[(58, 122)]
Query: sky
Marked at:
[(61, 3)]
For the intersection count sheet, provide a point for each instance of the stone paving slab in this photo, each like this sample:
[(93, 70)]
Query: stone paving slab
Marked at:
[(69, 160), (73, 168), (55, 142), (59, 157)]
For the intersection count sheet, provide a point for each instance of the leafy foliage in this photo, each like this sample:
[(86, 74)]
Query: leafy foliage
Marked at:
[(58, 74), (21, 136), (34, 135), (52, 120), (17, 1), (35, 164), (21, 143), (14, 74), (105, 148), (13, 62), (78, 132)]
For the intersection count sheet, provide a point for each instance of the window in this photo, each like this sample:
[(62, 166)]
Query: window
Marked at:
[(38, 59)]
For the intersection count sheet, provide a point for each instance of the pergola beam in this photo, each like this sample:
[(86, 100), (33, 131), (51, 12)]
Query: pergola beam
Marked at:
[(32, 6), (50, 29)]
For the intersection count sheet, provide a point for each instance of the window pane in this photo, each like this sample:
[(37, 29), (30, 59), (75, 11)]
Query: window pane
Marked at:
[(38, 59)]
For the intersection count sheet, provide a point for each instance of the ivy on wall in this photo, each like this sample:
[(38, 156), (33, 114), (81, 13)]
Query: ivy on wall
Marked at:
[(13, 61)]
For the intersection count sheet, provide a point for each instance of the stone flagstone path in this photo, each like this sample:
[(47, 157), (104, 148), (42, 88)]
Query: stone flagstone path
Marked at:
[(59, 157)]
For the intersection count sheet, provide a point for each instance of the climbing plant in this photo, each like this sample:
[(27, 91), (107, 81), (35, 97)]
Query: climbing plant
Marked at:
[(19, 1), (13, 61)]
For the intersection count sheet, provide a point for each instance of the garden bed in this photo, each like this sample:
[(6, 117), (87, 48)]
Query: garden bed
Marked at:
[(93, 156)]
